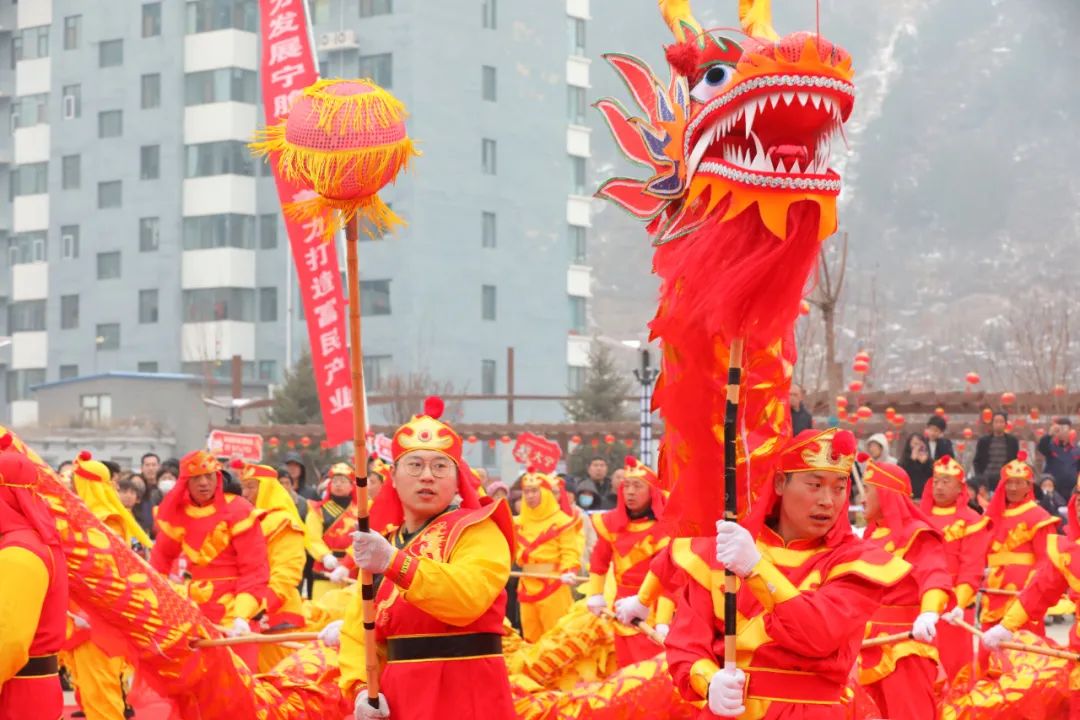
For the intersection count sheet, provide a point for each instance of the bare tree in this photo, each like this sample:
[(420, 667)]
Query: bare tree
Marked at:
[(828, 286), (406, 393), (1037, 342)]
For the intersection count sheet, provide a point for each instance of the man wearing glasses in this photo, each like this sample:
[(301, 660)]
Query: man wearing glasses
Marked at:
[(444, 561)]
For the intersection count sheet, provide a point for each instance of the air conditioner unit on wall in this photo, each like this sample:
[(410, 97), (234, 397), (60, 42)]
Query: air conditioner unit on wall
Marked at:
[(339, 40)]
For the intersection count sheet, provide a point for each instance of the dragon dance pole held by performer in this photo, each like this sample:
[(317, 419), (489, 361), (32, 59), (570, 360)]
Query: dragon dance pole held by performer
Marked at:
[(900, 676), (628, 537), (1019, 532), (33, 596), (1058, 573), (329, 527), (808, 587), (547, 544), (966, 535), (441, 601)]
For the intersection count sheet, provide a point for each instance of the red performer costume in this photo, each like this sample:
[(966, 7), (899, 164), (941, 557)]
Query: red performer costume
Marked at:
[(628, 538), (966, 534), (804, 598), (1019, 532), (33, 595), (900, 676)]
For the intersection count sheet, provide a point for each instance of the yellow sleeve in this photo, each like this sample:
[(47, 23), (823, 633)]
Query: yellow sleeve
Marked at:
[(287, 558), (649, 590), (1016, 616), (964, 595), (351, 657), (570, 549), (313, 531), (665, 610), (769, 585), (459, 591), (26, 579), (934, 600)]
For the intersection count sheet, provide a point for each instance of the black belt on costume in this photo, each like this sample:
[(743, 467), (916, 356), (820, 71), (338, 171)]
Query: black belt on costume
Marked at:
[(443, 647), (35, 666)]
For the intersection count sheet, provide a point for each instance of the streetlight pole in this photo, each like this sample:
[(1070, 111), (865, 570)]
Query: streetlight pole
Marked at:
[(646, 376)]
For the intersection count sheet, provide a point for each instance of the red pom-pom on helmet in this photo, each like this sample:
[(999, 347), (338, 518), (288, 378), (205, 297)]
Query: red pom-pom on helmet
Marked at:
[(631, 461), (237, 464), (434, 406), (6, 441), (85, 455), (683, 57), (844, 442), (531, 469), (862, 457), (1022, 456)]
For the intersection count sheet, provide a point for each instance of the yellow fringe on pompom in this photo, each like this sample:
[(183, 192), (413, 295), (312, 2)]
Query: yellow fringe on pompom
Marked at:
[(359, 110), (374, 216)]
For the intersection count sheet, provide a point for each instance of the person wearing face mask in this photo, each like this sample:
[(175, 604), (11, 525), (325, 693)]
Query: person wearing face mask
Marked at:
[(328, 531)]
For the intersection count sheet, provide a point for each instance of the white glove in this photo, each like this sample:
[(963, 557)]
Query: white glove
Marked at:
[(362, 710), (662, 630), (330, 562), (726, 693), (331, 634), (80, 622), (596, 605), (629, 609), (957, 613), (372, 551), (339, 574), (735, 548), (996, 635), (239, 627), (570, 578), (924, 629)]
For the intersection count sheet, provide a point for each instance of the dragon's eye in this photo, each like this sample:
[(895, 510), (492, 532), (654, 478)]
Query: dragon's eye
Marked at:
[(715, 79)]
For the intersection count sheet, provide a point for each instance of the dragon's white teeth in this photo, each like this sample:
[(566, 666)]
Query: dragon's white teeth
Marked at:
[(751, 109), (815, 99), (803, 97), (795, 168), (757, 146), (788, 97), (827, 104)]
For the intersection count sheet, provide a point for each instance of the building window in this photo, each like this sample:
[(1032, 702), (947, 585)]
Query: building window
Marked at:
[(111, 53), (69, 312), (69, 371), (577, 314), (320, 11), (576, 27), (212, 304), (208, 15), (224, 157), (95, 409), (268, 370), (33, 43), (109, 194), (576, 104), (30, 110), (487, 14), (377, 370), (69, 242), (379, 68), (72, 31), (108, 265), (487, 229), (149, 162), (147, 366), (151, 91), (110, 123), (70, 172), (369, 8), (577, 245), (268, 231), (215, 231), (487, 82), (26, 316), (487, 377), (19, 383), (151, 19), (575, 378), (107, 336), (149, 234), (221, 85), (72, 99), (487, 302), (577, 175), (148, 307), (487, 156), (374, 297), (268, 304), (30, 179), (28, 247)]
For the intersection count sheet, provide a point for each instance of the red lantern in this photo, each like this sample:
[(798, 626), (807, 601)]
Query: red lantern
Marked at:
[(505, 439), (898, 420), (1034, 413), (576, 439), (305, 441), (1008, 427), (274, 441), (940, 412), (629, 443), (855, 386), (1059, 391), (841, 413), (860, 367), (863, 356), (595, 442), (609, 439), (973, 378), (968, 433), (1008, 398), (865, 413), (291, 444), (841, 402), (987, 415), (890, 413), (804, 308), (472, 439), (491, 443)]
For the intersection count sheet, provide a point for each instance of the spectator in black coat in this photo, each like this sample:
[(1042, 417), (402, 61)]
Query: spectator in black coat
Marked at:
[(915, 459), (1061, 455), (937, 444), (1048, 497), (994, 450), (801, 419)]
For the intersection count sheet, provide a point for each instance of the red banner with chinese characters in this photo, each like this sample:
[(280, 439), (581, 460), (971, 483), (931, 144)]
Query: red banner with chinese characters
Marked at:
[(287, 67), (537, 452)]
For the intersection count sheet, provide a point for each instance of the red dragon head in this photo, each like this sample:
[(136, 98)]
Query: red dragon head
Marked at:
[(747, 123)]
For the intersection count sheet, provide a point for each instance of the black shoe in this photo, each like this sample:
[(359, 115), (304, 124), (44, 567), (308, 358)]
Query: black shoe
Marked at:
[(129, 712), (78, 714)]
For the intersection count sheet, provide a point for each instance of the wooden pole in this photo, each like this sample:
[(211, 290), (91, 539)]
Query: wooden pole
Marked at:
[(356, 359), (731, 503), (886, 639), (1020, 647), (543, 576), (641, 626), (257, 639)]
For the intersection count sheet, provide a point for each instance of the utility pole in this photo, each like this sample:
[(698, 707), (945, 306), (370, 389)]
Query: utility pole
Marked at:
[(646, 375)]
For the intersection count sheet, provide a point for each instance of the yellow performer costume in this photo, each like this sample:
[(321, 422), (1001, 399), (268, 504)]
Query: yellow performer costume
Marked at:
[(548, 543)]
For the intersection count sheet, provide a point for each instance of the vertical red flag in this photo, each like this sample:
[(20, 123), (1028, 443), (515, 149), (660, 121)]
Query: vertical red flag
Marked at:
[(287, 67)]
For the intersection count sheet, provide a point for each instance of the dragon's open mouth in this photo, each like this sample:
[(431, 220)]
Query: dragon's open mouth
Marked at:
[(772, 131)]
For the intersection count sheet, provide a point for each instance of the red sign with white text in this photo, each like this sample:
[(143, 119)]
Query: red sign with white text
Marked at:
[(537, 452), (287, 68), (223, 443)]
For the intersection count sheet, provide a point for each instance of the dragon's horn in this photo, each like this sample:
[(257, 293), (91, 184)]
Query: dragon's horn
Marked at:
[(679, 18), (755, 16)]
